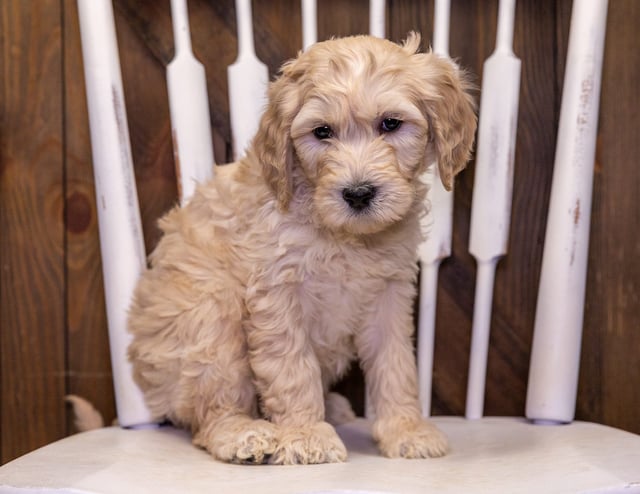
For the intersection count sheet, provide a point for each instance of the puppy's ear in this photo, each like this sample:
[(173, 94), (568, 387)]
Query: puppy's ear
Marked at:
[(450, 110), (272, 144)]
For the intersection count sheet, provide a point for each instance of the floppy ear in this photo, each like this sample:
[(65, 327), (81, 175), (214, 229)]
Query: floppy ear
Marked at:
[(450, 110), (272, 144)]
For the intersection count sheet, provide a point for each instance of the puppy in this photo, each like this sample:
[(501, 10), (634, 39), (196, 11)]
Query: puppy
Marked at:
[(301, 257)]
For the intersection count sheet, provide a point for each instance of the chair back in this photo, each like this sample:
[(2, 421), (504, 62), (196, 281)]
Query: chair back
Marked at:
[(556, 347)]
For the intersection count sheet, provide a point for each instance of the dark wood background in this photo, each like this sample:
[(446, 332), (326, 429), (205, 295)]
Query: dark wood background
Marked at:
[(53, 337)]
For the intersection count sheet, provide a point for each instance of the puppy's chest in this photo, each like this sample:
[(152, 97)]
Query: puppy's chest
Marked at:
[(337, 292)]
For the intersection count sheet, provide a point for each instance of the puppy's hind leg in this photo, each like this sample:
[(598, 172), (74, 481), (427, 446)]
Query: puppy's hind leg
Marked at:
[(288, 378), (229, 428), (190, 353), (226, 412)]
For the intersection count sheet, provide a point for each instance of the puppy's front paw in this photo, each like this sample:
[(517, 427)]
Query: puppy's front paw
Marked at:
[(410, 438), (239, 440), (317, 443)]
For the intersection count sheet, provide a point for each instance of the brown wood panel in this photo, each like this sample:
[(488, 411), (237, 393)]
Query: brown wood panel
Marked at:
[(276, 40), (408, 15), (341, 18), (32, 336), (610, 372)]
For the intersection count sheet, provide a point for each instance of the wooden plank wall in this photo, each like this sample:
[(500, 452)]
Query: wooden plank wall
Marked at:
[(52, 323)]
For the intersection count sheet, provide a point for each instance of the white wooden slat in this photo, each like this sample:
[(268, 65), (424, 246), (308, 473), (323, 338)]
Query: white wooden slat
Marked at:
[(492, 191), (248, 79), (189, 107), (121, 240), (309, 23), (377, 20), (555, 353)]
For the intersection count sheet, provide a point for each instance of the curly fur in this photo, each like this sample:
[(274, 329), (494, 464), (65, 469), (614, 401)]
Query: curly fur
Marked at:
[(267, 284)]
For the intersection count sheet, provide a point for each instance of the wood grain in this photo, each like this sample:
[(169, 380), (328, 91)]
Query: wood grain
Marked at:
[(339, 18), (52, 322), (610, 371), (32, 312)]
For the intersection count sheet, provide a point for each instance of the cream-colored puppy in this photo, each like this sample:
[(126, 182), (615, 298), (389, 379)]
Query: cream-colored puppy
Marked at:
[(301, 257)]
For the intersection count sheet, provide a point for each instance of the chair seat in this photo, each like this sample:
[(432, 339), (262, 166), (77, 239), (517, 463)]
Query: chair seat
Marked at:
[(488, 455)]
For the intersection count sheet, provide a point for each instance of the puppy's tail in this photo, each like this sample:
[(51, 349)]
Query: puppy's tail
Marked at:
[(86, 417)]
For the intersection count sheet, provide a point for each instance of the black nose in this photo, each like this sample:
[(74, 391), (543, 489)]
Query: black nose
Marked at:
[(358, 197)]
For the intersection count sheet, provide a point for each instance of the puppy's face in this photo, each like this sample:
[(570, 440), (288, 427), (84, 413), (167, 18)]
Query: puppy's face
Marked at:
[(361, 119), (361, 142)]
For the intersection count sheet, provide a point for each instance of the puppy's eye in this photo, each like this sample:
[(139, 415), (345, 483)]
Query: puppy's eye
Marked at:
[(323, 132), (390, 124)]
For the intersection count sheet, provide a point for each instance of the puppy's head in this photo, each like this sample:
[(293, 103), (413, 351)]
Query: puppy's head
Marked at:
[(360, 119)]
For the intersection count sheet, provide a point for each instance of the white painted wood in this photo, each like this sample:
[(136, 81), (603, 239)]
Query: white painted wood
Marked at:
[(481, 328), (248, 79), (491, 455), (426, 332), (437, 246), (377, 19), (189, 107), (555, 354), (309, 23), (492, 191), (121, 241), (441, 14)]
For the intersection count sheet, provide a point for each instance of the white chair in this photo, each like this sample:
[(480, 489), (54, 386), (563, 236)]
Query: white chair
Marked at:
[(487, 454)]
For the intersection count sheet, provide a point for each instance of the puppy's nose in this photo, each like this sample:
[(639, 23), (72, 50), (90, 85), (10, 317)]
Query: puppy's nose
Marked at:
[(359, 196)]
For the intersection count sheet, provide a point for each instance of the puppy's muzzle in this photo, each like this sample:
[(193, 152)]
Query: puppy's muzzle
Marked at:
[(358, 197)]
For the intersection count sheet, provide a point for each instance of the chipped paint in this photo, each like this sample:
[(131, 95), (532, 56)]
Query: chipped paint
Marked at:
[(126, 163), (586, 96), (576, 215)]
